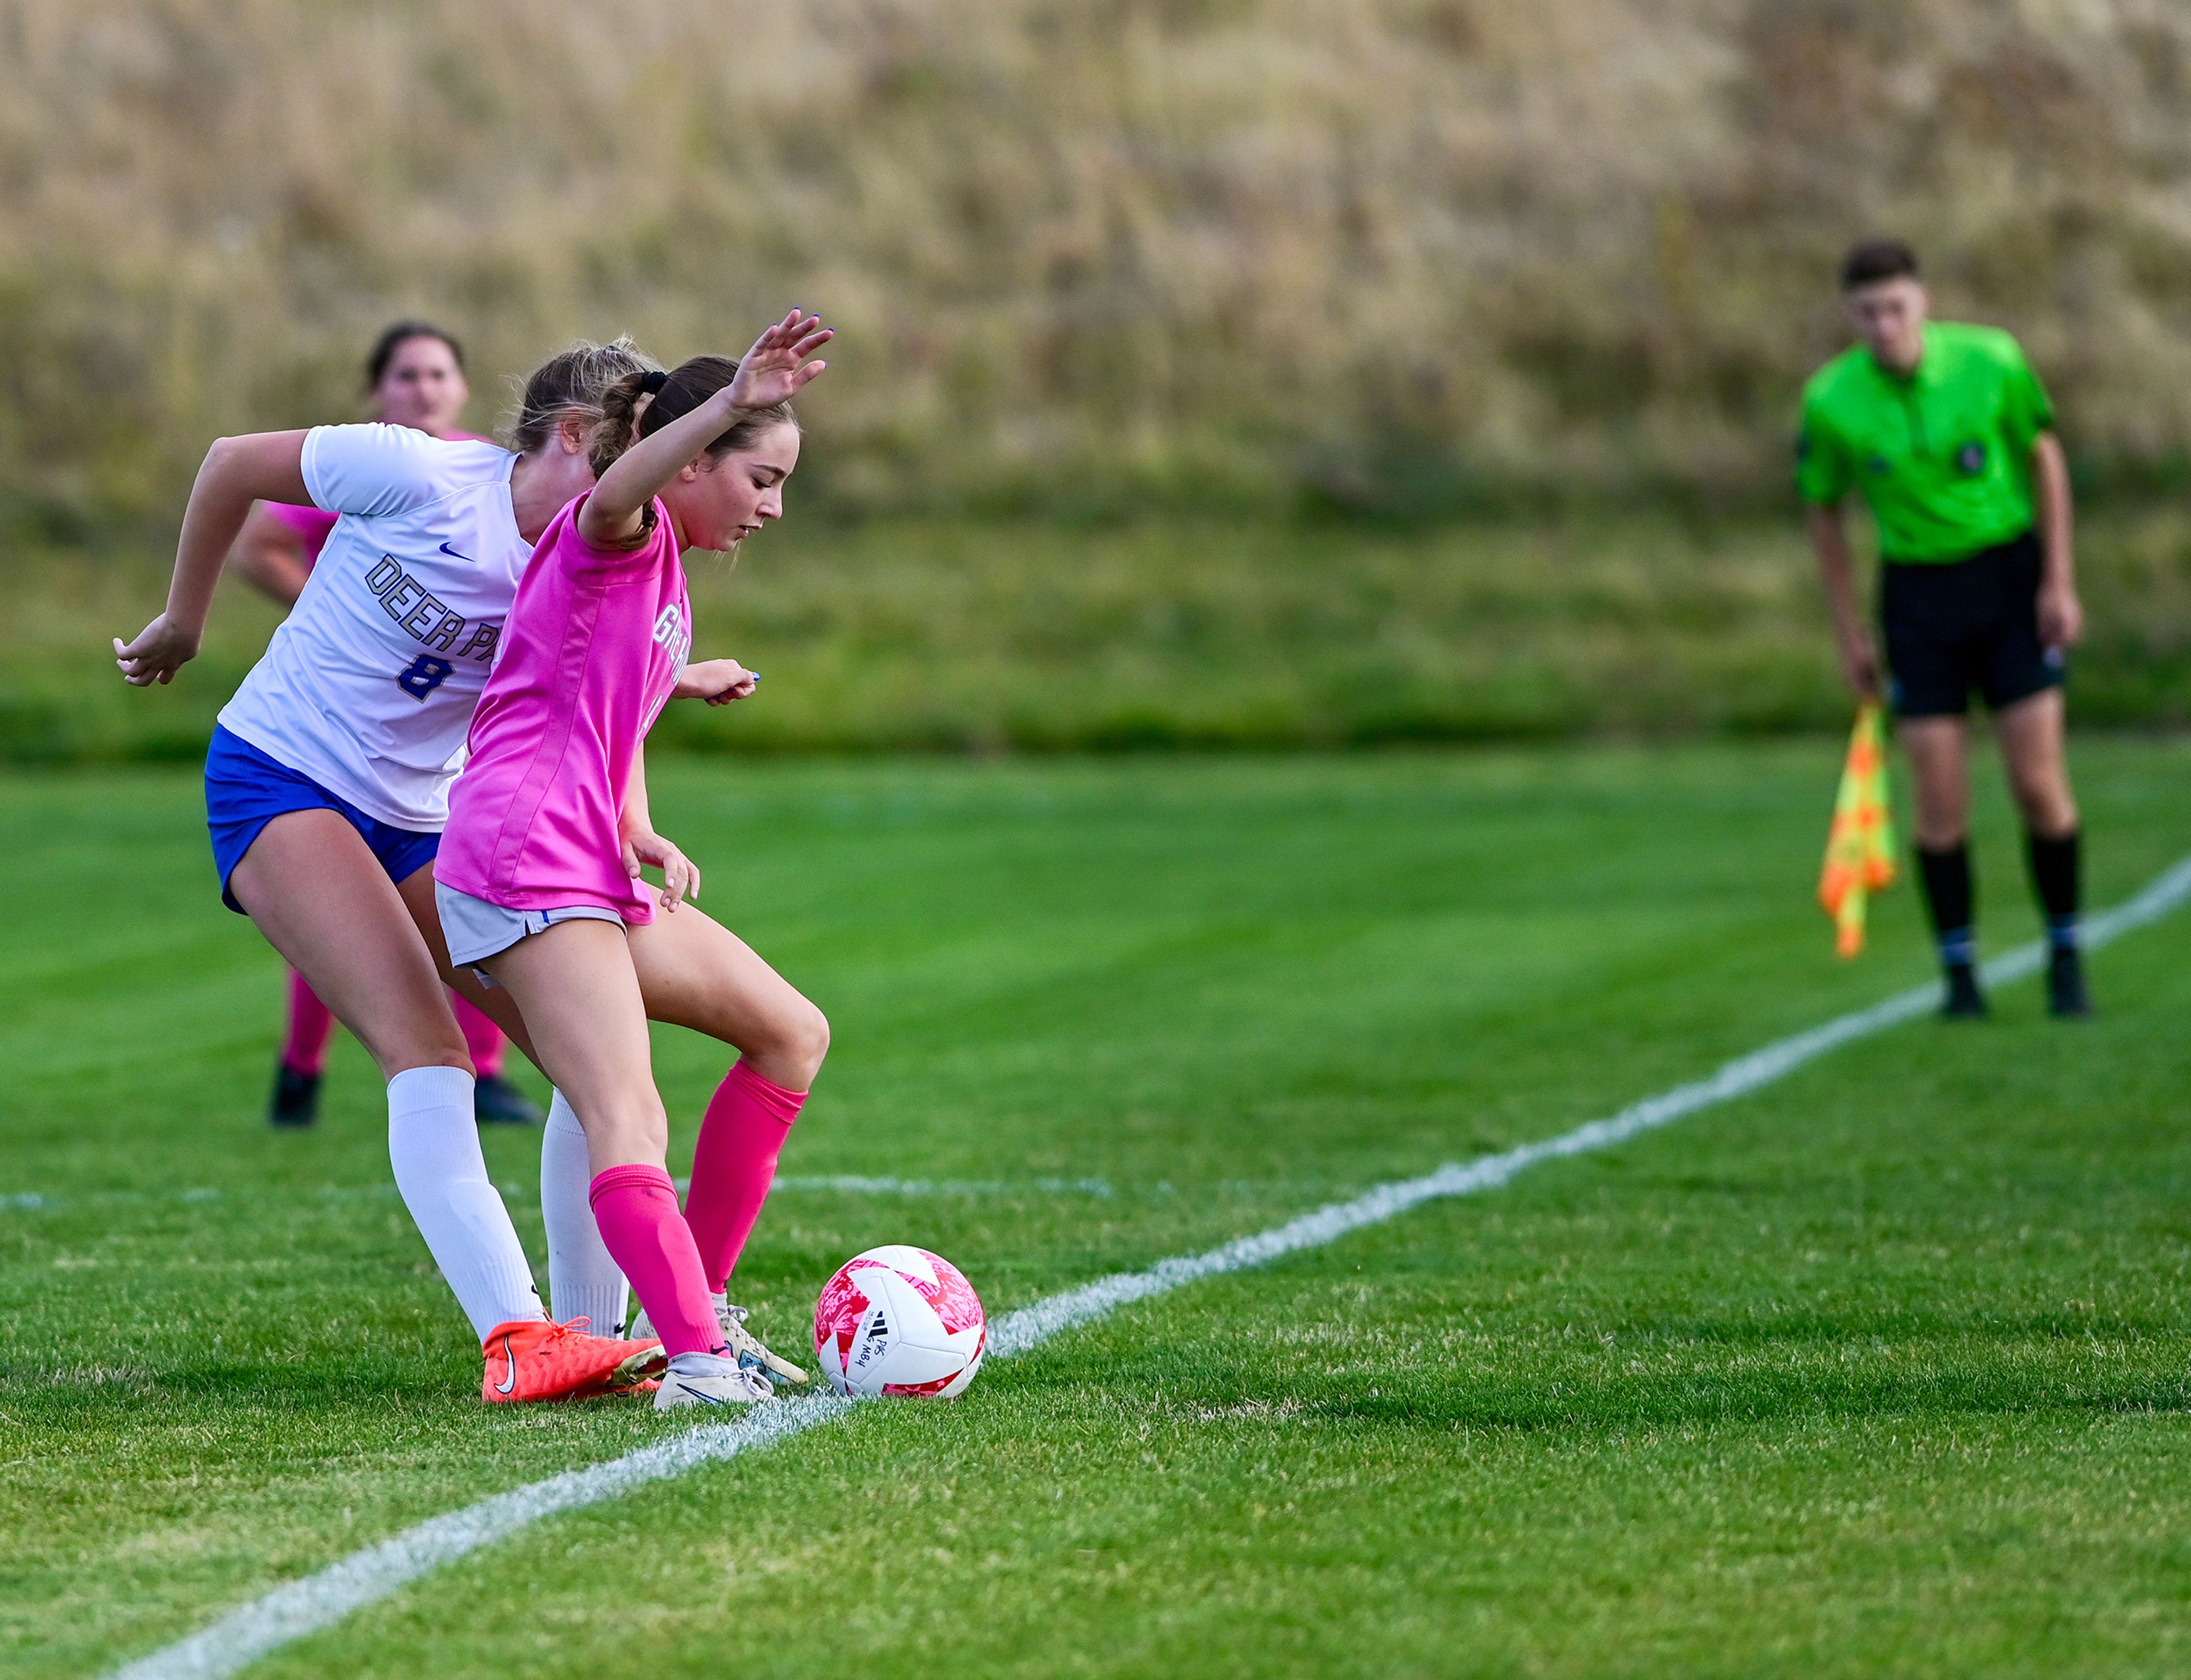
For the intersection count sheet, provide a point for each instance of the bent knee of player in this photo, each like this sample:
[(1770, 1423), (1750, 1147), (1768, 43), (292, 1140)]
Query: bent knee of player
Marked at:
[(401, 1049), (811, 1040), (789, 1048)]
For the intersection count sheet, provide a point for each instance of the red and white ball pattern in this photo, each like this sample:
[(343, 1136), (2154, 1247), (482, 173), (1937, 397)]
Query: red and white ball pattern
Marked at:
[(899, 1320)]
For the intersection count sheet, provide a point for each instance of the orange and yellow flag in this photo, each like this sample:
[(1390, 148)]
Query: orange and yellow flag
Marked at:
[(1860, 848)]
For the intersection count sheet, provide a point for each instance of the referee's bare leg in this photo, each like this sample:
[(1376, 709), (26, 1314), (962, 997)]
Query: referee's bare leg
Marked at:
[(2031, 742), (2031, 732)]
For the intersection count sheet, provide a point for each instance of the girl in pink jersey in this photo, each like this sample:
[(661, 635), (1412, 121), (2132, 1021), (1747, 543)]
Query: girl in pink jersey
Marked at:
[(415, 377), (538, 877)]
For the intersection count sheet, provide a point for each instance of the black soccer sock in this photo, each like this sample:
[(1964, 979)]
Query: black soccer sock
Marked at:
[(2055, 877), (1947, 896)]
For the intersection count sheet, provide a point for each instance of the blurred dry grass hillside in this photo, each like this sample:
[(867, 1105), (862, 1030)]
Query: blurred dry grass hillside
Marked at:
[(1384, 253)]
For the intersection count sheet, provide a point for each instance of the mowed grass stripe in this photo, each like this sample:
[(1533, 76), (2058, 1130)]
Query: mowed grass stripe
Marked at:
[(324, 1598)]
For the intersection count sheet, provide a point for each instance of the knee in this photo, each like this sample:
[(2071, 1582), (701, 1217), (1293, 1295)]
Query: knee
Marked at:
[(628, 1130), (2051, 816), (421, 1050), (790, 1052), (807, 1042)]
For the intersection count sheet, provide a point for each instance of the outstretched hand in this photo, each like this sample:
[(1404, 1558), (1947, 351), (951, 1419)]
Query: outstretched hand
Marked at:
[(776, 369), (162, 648), (717, 681)]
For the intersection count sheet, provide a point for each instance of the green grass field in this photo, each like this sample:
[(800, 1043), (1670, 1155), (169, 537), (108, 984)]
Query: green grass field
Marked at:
[(1883, 1369)]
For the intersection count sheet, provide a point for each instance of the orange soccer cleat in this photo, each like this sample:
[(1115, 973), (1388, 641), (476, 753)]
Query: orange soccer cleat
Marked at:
[(539, 1360)]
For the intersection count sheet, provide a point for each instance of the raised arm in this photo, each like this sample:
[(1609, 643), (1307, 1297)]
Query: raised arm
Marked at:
[(265, 466), (1829, 543), (771, 372)]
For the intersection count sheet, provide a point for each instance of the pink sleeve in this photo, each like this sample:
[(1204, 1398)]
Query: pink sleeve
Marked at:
[(582, 560), (310, 524)]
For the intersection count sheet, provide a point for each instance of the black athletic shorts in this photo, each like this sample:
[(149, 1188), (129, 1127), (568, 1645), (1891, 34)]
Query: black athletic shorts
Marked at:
[(1953, 625)]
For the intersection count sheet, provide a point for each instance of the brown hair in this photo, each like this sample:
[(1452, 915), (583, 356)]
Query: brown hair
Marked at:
[(628, 415), (1870, 261), (393, 338), (573, 384)]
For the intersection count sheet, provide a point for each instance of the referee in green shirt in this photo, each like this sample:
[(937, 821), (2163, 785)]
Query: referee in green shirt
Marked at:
[(1948, 436)]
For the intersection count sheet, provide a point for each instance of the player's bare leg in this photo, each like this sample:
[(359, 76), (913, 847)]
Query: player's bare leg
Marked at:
[(322, 899), (693, 972), (575, 982), (314, 888), (696, 973)]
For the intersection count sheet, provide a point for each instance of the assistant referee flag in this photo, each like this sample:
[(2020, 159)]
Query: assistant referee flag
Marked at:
[(1860, 848)]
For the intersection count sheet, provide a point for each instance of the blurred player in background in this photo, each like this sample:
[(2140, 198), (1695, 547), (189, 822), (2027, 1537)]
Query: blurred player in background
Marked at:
[(415, 377), (1949, 435)]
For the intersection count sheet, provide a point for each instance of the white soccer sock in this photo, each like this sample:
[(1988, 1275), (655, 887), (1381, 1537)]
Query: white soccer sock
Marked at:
[(583, 1280), (433, 1143)]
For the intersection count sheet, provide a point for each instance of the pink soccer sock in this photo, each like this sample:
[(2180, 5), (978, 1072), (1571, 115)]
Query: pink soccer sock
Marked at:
[(636, 1208), (734, 1164), (311, 1025), (482, 1037)]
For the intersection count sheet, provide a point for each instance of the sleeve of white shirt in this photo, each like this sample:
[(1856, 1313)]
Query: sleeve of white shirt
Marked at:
[(373, 470)]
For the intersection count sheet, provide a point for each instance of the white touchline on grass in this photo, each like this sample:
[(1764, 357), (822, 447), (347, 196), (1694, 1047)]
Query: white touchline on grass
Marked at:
[(322, 1599)]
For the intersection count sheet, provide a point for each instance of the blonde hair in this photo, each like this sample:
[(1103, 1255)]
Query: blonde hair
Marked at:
[(573, 384)]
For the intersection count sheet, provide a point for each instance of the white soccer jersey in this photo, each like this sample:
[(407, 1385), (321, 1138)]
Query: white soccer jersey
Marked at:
[(368, 686)]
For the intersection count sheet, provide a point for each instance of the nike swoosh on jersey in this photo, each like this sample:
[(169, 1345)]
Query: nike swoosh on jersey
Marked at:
[(509, 1380), (466, 559)]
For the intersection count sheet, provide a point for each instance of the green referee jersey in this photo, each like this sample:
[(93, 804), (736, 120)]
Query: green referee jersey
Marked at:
[(1942, 457)]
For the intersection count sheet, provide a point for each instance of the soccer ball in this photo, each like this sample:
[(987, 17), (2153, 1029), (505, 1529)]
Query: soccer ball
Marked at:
[(899, 1320)]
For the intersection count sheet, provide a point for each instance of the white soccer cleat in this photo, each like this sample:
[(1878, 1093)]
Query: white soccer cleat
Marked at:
[(748, 1349), (710, 1380), (751, 1354)]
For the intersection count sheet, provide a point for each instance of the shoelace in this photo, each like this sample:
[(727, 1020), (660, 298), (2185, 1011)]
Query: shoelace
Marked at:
[(748, 1347), (567, 1332), (733, 1320)]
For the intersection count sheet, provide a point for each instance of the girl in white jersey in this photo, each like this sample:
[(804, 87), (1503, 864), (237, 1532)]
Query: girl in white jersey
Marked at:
[(327, 783), (414, 377)]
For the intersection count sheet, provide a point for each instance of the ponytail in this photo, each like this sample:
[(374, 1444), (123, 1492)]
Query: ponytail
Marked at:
[(641, 403)]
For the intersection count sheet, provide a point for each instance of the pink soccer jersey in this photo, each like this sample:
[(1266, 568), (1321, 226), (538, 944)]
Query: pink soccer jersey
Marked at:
[(590, 653)]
